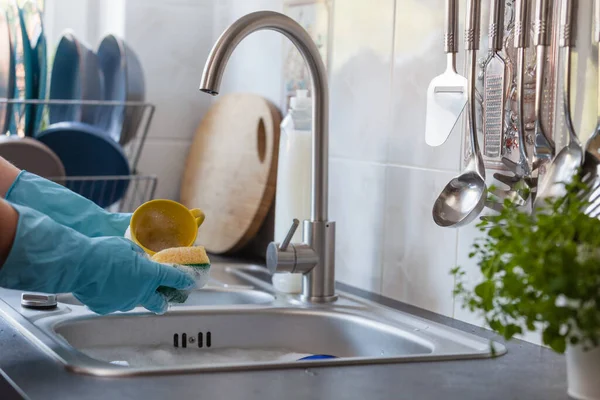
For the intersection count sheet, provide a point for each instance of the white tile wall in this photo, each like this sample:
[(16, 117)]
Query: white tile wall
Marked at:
[(417, 253), (357, 204), (383, 177), (70, 14), (360, 79), (165, 158), (256, 64), (418, 58), (172, 40)]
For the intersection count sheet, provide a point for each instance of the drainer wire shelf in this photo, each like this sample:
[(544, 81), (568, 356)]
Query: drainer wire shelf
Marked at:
[(117, 193), (28, 118), (127, 123)]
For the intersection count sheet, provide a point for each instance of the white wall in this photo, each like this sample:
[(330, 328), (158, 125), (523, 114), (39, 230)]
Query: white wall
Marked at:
[(89, 19), (256, 64), (383, 177), (172, 39)]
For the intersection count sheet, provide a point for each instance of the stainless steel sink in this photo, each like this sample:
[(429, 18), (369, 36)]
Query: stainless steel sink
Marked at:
[(209, 296), (237, 329)]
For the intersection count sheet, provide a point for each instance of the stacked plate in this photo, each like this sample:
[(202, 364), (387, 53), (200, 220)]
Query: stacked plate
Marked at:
[(111, 74), (23, 71), (82, 123)]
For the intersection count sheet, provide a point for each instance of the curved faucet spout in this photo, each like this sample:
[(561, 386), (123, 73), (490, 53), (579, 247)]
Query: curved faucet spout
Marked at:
[(315, 257), (215, 66)]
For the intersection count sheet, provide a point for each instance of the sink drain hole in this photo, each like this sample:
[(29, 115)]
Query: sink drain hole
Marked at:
[(203, 340)]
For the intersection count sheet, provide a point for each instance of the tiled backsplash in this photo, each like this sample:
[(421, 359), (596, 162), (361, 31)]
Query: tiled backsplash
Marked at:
[(383, 177)]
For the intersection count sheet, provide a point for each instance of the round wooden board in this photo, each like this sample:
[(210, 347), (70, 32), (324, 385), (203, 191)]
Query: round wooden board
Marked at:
[(231, 170)]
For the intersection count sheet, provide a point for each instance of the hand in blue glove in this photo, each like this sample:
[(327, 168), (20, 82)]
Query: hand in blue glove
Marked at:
[(66, 207), (106, 274)]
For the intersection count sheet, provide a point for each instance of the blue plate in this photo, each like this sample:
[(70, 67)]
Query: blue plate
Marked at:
[(111, 57), (34, 42), (75, 75), (136, 91), (41, 52), (23, 87), (123, 81), (64, 84), (86, 150), (7, 72)]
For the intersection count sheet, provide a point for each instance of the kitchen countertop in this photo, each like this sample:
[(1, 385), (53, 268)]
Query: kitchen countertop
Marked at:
[(527, 372)]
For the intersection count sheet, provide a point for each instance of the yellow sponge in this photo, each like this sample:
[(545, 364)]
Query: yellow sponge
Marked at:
[(192, 260), (195, 255)]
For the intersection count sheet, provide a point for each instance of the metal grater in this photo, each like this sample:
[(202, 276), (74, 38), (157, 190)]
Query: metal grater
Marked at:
[(493, 111), (493, 90)]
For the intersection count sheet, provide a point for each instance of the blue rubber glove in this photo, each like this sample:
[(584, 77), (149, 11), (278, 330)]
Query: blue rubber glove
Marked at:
[(107, 274), (66, 207)]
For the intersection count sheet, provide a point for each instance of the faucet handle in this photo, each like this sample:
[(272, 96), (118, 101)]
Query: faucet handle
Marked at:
[(290, 257), (288, 238), (282, 256)]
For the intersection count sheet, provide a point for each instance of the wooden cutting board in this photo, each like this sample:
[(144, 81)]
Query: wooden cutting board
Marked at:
[(231, 170)]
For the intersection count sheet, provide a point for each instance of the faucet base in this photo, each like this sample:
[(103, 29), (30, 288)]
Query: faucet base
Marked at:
[(319, 299), (319, 282)]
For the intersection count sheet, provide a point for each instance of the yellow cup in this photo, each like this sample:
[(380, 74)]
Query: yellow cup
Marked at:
[(161, 224)]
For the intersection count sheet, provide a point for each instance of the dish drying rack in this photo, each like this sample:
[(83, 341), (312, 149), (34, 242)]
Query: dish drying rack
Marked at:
[(140, 188)]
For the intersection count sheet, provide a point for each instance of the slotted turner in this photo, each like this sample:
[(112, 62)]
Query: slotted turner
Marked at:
[(447, 93)]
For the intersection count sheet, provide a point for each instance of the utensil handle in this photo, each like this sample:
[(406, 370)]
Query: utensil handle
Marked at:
[(597, 21), (566, 40), (566, 37), (473, 25), (597, 38), (521, 24), (541, 32), (451, 28), (496, 32)]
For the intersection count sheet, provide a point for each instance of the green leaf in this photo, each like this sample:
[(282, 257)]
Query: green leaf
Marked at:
[(558, 344), (552, 337), (511, 330), (485, 291), (496, 325)]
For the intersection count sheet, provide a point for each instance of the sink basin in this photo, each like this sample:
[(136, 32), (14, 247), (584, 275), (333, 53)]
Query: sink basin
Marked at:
[(204, 297), (224, 329), (213, 340)]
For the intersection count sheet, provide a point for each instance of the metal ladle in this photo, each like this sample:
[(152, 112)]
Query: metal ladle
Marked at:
[(463, 198)]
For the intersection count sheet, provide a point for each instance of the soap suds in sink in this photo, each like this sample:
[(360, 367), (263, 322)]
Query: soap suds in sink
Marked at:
[(167, 356)]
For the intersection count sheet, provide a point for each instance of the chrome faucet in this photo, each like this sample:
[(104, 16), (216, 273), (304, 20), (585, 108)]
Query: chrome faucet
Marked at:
[(315, 257)]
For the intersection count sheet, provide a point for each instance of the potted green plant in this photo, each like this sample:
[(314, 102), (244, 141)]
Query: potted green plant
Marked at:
[(542, 271)]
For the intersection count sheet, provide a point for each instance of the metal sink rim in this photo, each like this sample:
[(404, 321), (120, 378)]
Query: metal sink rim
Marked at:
[(471, 346), (266, 298), (77, 362)]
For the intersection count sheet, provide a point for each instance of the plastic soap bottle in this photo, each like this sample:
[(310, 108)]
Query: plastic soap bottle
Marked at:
[(293, 180)]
